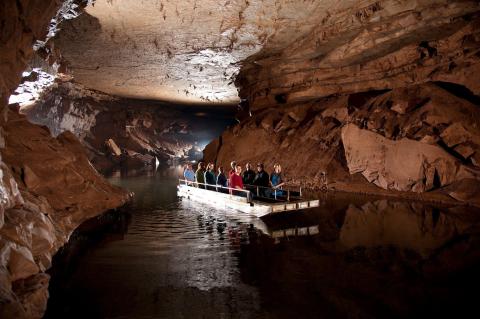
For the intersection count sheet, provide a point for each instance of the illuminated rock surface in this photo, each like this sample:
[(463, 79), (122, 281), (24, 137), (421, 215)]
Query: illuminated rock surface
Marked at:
[(180, 50), (413, 151)]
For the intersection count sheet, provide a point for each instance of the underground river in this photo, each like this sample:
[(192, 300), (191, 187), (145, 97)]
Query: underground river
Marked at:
[(352, 257)]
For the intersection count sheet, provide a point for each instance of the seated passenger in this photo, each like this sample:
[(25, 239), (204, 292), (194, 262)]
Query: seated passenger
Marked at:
[(261, 180), (188, 174), (221, 180), (233, 164), (248, 176), (200, 175), (210, 178), (236, 181), (276, 180)]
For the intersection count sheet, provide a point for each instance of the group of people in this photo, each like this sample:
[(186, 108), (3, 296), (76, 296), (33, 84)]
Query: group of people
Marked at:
[(264, 184)]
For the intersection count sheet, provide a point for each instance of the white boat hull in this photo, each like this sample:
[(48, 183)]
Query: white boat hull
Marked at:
[(227, 201)]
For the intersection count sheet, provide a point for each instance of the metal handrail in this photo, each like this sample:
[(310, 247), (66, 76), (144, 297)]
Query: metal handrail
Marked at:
[(190, 183), (272, 188)]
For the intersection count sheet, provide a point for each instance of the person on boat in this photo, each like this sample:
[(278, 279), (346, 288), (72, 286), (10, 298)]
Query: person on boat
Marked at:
[(209, 175), (189, 174), (235, 181), (233, 165), (261, 180), (221, 180), (248, 175), (200, 175), (276, 180)]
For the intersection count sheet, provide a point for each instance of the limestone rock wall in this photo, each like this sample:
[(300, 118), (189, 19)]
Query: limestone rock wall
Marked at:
[(48, 189), (375, 45), (415, 139), (47, 185), (399, 79), (20, 29)]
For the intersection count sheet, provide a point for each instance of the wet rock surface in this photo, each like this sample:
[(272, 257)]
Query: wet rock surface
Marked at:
[(404, 165)]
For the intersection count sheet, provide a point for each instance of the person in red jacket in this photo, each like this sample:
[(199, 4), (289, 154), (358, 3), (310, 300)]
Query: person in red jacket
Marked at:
[(235, 181), (233, 165)]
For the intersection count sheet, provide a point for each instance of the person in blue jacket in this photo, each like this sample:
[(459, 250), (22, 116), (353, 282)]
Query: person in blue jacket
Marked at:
[(276, 180), (189, 174)]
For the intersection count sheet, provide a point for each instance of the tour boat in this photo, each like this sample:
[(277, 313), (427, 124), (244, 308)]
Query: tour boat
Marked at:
[(241, 200)]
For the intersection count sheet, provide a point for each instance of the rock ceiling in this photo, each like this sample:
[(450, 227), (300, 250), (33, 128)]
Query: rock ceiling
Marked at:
[(184, 51)]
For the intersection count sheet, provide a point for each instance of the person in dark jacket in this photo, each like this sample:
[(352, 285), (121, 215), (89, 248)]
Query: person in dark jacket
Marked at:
[(200, 175), (248, 175), (221, 180), (262, 180), (210, 178)]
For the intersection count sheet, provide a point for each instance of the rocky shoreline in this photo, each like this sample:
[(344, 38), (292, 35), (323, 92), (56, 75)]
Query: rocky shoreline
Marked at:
[(48, 188)]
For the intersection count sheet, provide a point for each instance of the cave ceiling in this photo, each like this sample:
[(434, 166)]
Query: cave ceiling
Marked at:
[(183, 51)]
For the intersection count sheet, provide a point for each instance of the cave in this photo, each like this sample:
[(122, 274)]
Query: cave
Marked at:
[(363, 114)]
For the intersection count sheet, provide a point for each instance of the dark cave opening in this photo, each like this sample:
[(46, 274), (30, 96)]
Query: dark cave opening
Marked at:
[(460, 91)]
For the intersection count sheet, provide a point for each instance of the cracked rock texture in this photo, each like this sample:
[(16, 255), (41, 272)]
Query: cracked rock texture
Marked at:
[(400, 79), (181, 50), (405, 139), (371, 46)]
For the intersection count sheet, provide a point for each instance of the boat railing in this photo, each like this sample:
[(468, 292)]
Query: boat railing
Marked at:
[(217, 188), (289, 193)]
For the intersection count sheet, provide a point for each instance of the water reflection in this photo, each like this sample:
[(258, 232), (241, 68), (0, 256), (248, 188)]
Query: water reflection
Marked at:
[(401, 224), (351, 257)]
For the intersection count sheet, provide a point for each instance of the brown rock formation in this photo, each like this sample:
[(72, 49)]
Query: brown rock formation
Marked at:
[(47, 185), (181, 50), (119, 131), (379, 45), (302, 95), (404, 165), (48, 189), (411, 150)]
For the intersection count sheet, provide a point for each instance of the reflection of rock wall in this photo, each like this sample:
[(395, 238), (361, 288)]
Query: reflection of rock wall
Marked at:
[(141, 131), (384, 259), (399, 224)]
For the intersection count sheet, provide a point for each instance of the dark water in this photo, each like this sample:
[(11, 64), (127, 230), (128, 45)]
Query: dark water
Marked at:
[(350, 258)]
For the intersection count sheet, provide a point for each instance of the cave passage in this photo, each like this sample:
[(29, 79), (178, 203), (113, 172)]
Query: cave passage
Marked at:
[(104, 103)]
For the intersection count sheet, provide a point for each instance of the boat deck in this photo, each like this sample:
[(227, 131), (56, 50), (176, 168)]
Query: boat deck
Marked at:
[(258, 206)]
